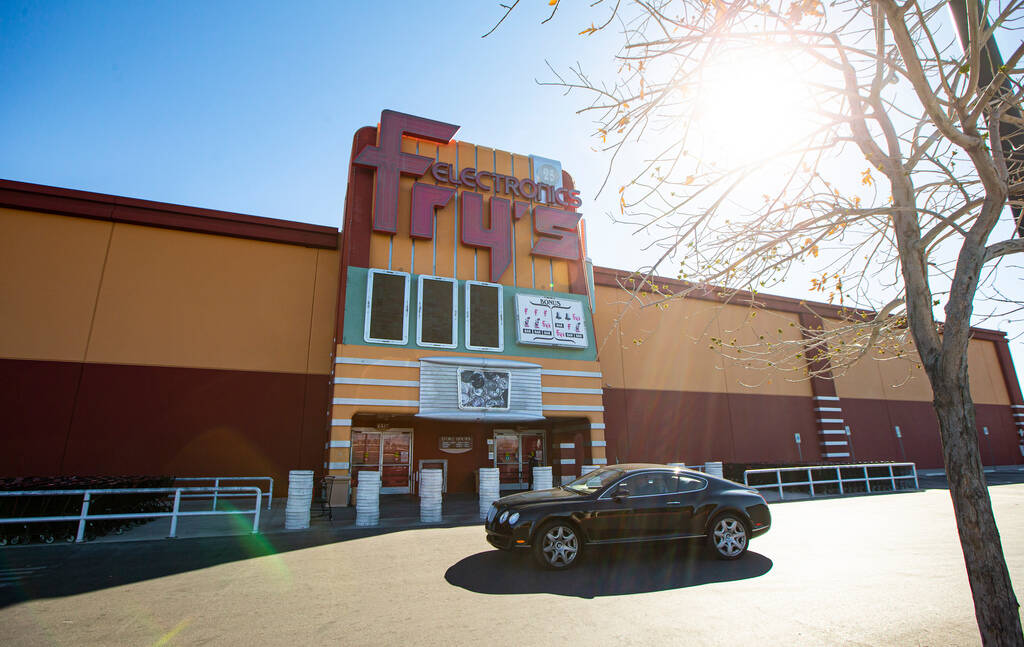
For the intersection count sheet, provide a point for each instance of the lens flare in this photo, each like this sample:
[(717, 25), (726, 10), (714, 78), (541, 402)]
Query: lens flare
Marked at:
[(752, 105)]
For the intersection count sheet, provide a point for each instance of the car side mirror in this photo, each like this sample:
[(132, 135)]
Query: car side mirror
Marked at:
[(621, 493)]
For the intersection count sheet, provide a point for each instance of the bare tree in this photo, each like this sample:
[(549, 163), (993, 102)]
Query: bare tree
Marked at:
[(879, 92)]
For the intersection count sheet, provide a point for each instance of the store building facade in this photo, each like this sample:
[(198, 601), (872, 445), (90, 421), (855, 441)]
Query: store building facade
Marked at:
[(452, 322), (465, 337)]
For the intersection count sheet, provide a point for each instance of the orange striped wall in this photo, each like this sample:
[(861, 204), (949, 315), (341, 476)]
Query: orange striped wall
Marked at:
[(342, 414)]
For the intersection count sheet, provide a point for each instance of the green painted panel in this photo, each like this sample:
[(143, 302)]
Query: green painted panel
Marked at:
[(355, 315)]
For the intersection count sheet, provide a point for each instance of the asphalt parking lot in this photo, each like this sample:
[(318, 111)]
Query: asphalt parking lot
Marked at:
[(870, 570)]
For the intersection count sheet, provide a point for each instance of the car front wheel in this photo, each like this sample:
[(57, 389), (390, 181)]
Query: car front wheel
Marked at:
[(558, 545), (729, 537)]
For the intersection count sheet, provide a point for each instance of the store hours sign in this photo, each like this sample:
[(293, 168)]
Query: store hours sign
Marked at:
[(548, 321)]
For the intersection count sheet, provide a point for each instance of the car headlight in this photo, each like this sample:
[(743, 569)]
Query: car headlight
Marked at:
[(513, 519), (492, 513), (503, 517)]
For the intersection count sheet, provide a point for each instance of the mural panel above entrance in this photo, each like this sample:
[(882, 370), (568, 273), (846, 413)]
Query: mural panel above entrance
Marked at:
[(478, 389)]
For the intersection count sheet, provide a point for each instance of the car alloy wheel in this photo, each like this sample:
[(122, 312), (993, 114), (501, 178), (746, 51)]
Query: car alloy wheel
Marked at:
[(559, 546), (729, 537)]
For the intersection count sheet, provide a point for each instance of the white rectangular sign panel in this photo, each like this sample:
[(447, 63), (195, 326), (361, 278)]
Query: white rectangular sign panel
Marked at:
[(548, 321)]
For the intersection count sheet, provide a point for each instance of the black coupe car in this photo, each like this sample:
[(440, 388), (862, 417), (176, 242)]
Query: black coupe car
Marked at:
[(628, 503)]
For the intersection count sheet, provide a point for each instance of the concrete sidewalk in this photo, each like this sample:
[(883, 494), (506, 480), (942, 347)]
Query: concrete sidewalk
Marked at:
[(401, 512)]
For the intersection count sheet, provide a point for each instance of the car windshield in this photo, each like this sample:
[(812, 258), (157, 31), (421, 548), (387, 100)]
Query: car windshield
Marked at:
[(593, 481)]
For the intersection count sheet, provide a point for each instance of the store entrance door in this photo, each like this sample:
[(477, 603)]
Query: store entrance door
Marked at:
[(388, 452), (512, 453)]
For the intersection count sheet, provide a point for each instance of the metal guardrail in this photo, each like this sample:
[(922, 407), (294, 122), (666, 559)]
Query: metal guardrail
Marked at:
[(838, 469), (217, 480), (175, 512)]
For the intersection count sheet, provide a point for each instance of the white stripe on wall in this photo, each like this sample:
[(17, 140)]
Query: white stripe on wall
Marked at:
[(832, 431), (1017, 406), (570, 407), (374, 402), (557, 389), (833, 398), (828, 409), (566, 445), (567, 461), (843, 455), (600, 461), (341, 422), (598, 443), (340, 443), (571, 373), (365, 361), (828, 421), (338, 466), (834, 443), (597, 425), (374, 382)]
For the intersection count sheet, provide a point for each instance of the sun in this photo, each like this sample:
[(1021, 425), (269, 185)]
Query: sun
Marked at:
[(752, 105)]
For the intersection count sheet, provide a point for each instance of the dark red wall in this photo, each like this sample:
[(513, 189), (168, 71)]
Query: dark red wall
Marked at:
[(68, 418), (673, 426), (460, 466), (682, 426), (36, 403)]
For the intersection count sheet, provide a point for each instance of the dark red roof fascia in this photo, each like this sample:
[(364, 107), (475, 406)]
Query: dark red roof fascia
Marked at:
[(99, 206)]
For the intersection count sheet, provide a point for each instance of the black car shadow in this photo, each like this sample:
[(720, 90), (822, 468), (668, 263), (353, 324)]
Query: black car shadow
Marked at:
[(603, 571)]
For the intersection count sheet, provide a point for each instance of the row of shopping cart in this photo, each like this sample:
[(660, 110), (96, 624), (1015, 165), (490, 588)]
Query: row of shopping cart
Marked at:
[(60, 505)]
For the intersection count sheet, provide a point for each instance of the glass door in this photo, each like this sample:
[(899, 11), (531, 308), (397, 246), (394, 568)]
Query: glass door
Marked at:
[(388, 452), (365, 453), (395, 461), (515, 453), (506, 459)]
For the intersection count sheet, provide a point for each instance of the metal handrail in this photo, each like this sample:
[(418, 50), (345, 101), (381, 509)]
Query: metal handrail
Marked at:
[(892, 477), (176, 512), (217, 481)]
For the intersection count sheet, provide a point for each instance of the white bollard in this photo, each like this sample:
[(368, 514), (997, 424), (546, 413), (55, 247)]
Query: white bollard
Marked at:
[(300, 498), (430, 495), (713, 468), (490, 489), (368, 499), (542, 478)]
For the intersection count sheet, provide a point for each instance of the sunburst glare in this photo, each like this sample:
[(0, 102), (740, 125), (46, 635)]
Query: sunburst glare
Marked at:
[(750, 105)]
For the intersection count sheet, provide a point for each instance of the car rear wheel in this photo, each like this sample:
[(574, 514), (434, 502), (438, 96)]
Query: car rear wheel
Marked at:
[(729, 536), (558, 545)]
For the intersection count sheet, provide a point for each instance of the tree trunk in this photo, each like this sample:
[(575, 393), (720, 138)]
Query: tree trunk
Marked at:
[(995, 603)]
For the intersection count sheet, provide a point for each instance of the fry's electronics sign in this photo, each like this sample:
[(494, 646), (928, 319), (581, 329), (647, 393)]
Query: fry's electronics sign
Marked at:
[(555, 226)]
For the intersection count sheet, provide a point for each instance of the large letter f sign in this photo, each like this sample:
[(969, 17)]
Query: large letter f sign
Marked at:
[(389, 160)]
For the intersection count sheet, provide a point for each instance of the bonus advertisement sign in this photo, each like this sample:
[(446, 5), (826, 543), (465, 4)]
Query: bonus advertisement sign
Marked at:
[(546, 321)]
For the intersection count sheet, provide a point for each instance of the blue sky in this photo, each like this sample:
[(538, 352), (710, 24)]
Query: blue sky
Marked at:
[(251, 106)]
